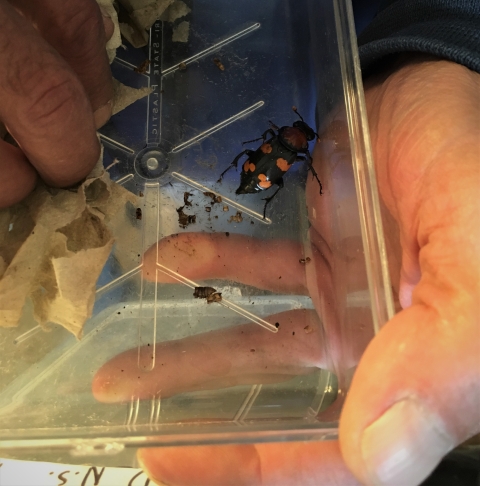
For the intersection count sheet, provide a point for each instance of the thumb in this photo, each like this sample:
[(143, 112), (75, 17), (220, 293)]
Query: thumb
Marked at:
[(277, 464), (416, 393)]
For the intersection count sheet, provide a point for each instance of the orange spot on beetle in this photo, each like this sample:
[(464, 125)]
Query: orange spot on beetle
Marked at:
[(283, 165), (248, 166), (263, 181), (266, 148)]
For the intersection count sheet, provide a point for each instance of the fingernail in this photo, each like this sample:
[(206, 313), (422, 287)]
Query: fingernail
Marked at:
[(103, 114), (404, 445)]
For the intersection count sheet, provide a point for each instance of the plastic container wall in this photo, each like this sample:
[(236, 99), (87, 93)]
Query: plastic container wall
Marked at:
[(303, 290)]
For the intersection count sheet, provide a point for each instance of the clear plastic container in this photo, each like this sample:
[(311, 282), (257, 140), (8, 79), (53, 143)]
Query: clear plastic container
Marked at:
[(218, 387)]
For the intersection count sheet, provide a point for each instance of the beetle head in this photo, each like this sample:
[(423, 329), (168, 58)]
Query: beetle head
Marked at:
[(301, 125)]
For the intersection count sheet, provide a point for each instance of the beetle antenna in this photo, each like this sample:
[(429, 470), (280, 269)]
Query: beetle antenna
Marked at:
[(294, 108)]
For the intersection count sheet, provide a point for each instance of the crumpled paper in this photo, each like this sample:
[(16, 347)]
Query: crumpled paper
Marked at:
[(53, 246), (124, 96), (146, 12), (181, 32), (115, 41), (142, 14), (177, 10)]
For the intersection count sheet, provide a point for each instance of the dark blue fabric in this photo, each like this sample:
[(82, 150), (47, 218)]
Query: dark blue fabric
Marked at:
[(449, 29)]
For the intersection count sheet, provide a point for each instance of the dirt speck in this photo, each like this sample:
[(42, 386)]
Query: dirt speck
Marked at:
[(237, 218), (185, 220), (213, 197), (186, 196)]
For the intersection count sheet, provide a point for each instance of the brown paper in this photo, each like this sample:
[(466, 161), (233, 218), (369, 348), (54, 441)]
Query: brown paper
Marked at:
[(53, 246), (124, 96), (146, 17), (146, 12), (181, 32), (115, 41), (135, 36), (176, 11), (143, 14)]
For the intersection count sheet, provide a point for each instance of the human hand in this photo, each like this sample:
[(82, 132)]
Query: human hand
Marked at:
[(55, 90), (415, 394)]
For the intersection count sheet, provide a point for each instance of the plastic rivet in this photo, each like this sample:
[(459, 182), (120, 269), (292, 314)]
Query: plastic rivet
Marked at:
[(152, 163)]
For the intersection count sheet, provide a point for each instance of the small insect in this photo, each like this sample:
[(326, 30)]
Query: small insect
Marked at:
[(208, 293), (138, 213), (219, 64), (142, 68), (266, 166)]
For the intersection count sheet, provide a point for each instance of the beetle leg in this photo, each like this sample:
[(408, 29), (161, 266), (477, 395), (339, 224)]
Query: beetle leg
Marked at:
[(235, 162), (312, 170), (275, 127), (270, 131), (263, 137), (268, 199)]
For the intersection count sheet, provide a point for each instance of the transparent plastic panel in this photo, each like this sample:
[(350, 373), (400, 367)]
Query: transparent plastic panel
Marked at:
[(272, 359)]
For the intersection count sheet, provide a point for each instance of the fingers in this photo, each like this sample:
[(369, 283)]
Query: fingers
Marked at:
[(44, 105), (266, 264), (416, 392), (238, 355), (401, 418), (409, 277), (18, 176), (76, 29), (275, 265), (305, 463)]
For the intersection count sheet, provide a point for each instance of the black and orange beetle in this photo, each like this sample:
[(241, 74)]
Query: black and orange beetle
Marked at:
[(266, 166)]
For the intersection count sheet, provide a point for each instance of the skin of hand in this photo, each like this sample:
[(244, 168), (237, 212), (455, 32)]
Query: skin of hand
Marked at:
[(55, 91), (416, 391)]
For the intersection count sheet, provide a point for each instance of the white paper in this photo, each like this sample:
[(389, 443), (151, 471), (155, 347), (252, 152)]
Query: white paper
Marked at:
[(27, 473)]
